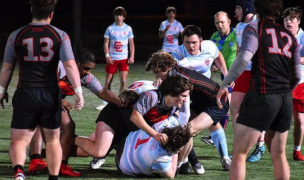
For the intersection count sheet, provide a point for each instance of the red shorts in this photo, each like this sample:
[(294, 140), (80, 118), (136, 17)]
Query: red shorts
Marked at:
[(122, 65), (298, 98), (242, 83)]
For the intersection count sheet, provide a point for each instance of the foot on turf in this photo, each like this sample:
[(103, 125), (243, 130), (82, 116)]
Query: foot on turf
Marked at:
[(97, 162), (19, 175), (297, 156), (257, 154), (66, 170), (37, 166), (198, 168), (226, 163), (207, 140)]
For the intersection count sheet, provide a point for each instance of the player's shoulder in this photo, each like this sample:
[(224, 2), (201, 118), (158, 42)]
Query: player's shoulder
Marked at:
[(207, 44), (215, 34)]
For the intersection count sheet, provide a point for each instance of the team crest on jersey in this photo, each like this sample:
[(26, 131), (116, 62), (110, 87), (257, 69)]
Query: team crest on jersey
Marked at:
[(230, 44), (207, 62), (174, 28), (154, 145), (124, 33)]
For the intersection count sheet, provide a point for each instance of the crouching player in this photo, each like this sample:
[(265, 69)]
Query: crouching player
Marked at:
[(141, 154)]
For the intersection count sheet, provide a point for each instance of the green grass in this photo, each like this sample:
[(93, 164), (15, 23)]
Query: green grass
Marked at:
[(85, 124)]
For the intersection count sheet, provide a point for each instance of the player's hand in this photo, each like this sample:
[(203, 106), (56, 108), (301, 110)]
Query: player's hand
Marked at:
[(67, 106), (214, 68), (78, 101), (3, 96), (221, 94), (131, 60), (167, 27), (157, 82), (161, 138), (110, 61), (232, 84)]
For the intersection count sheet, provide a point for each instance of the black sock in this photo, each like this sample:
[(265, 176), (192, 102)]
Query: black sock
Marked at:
[(36, 156), (192, 157), (43, 153), (64, 162), (18, 167), (51, 177)]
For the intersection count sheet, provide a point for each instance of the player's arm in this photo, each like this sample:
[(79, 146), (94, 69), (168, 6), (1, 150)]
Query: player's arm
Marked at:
[(220, 63), (140, 122), (108, 96), (132, 51), (6, 76), (295, 69), (162, 34), (106, 51), (171, 172), (74, 78)]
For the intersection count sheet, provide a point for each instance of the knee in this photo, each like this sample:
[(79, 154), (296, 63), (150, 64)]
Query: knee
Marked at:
[(99, 153), (67, 125)]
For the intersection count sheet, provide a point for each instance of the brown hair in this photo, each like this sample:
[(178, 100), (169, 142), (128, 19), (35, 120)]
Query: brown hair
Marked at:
[(120, 11), (268, 9), (293, 12), (41, 9), (128, 97), (175, 85), (178, 137), (159, 61)]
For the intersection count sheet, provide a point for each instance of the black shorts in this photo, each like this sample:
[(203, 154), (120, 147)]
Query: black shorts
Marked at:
[(266, 111), (211, 108), (119, 120), (119, 150), (37, 106)]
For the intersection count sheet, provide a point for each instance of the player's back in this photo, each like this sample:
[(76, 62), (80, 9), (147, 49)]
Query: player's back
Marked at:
[(37, 47), (271, 62), (143, 155)]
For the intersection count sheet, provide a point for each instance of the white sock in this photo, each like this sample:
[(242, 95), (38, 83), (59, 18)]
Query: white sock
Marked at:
[(179, 164), (297, 148), (186, 160), (260, 143)]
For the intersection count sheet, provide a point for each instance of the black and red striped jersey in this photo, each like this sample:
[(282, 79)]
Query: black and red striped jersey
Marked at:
[(272, 61), (203, 87)]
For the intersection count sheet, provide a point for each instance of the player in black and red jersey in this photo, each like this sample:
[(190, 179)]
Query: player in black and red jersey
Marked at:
[(204, 109), (38, 47), (267, 106)]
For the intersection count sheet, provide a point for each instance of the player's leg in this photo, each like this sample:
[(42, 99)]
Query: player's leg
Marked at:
[(276, 143), (101, 145), (298, 135), (123, 80), (53, 150), (123, 69), (20, 139), (244, 138), (67, 133), (259, 149), (109, 79), (235, 104), (37, 163)]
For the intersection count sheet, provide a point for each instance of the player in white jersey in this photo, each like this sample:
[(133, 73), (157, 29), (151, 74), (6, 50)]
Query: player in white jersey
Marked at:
[(199, 55), (139, 154), (244, 13), (85, 61), (170, 30), (292, 19), (116, 40)]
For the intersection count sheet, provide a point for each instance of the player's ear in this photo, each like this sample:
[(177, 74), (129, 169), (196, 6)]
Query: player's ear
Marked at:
[(51, 15)]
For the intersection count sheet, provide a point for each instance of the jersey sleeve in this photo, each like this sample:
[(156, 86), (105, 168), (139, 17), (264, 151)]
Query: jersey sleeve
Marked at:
[(130, 36), (250, 38), (107, 33), (301, 44), (161, 164), (162, 26), (178, 54), (210, 47), (9, 53), (61, 70), (90, 82), (66, 52), (146, 101), (181, 28)]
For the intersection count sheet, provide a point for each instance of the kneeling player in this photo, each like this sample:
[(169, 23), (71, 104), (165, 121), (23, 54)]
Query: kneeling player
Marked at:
[(141, 154)]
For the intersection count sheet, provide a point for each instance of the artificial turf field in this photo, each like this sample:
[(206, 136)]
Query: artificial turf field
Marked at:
[(85, 124)]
